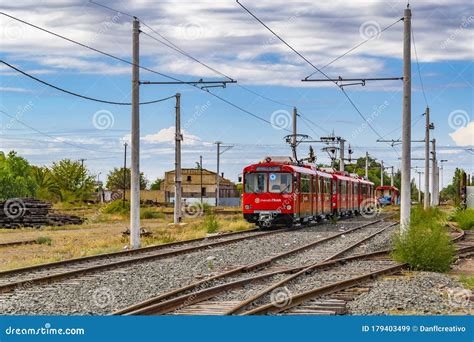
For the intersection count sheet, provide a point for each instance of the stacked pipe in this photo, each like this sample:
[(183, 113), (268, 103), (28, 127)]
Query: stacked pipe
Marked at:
[(30, 212)]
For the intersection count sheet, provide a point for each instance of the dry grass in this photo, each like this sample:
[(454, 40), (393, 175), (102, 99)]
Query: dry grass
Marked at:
[(102, 234)]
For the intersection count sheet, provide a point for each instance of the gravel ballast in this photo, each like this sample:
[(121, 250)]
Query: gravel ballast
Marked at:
[(107, 291)]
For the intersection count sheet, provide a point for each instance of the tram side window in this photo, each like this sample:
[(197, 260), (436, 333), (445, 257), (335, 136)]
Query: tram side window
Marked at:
[(255, 182), (304, 184), (327, 186)]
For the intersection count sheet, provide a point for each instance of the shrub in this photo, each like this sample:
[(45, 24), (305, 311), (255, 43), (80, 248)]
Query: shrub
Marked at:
[(117, 207), (210, 223), (206, 208), (426, 246), (150, 214), (44, 240), (464, 218)]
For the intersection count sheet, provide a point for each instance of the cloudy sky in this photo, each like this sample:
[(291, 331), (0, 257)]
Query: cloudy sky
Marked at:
[(44, 125)]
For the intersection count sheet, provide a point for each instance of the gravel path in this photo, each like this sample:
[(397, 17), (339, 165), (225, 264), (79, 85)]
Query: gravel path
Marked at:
[(420, 293), (110, 290)]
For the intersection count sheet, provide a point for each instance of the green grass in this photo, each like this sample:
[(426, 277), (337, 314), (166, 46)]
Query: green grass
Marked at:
[(427, 245), (467, 281), (464, 218), (150, 214), (44, 240), (117, 207), (211, 225)]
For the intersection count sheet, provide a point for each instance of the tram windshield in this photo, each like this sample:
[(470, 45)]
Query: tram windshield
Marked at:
[(259, 182), (280, 182), (256, 182)]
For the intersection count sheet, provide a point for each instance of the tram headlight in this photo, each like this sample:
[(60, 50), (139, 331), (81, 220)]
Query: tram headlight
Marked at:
[(288, 207), (247, 207)]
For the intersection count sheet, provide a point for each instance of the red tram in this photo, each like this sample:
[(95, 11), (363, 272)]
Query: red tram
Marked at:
[(283, 193)]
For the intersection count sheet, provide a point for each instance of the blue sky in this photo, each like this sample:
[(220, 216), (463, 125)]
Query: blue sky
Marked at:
[(222, 35)]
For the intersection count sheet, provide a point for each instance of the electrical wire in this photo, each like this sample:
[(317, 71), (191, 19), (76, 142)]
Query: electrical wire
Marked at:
[(314, 66), (79, 95), (418, 67), (356, 46), (176, 48), (139, 66), (52, 136)]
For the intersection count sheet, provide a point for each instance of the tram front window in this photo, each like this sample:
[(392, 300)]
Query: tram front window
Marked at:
[(280, 182), (255, 182)]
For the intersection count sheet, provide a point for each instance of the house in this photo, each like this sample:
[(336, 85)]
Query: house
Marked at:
[(197, 183)]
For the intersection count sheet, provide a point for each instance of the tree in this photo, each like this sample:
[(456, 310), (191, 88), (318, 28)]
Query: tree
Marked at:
[(73, 180), (47, 188), (156, 185), (115, 179), (15, 176)]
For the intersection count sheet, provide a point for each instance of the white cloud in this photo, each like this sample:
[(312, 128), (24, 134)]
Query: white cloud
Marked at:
[(167, 136), (224, 36), (464, 136)]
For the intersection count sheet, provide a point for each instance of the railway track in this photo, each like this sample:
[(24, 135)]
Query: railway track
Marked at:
[(18, 243), (311, 302), (46, 273), (176, 300)]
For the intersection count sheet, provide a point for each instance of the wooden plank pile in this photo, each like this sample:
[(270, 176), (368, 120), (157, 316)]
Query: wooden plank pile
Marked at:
[(30, 212)]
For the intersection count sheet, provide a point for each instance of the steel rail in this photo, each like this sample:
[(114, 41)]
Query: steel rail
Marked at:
[(167, 302), (68, 274)]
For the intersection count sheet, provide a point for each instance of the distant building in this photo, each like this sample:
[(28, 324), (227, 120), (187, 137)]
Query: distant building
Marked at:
[(193, 187)]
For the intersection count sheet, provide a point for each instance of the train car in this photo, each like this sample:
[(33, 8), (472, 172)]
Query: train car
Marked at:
[(279, 192)]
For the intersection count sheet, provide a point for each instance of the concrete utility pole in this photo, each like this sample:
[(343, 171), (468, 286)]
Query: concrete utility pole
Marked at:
[(419, 185), (124, 173), (135, 141), (391, 177), (441, 162), (200, 168), (219, 152), (433, 172), (367, 165), (177, 164), (293, 141), (381, 172), (426, 202), (341, 154), (218, 143), (405, 200)]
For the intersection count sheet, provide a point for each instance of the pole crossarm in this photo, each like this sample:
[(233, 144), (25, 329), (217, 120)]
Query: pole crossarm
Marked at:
[(201, 83), (358, 81)]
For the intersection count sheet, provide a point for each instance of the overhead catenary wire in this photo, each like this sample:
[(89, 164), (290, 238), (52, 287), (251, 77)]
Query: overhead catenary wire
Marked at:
[(139, 66), (314, 66), (178, 49), (79, 95), (356, 46)]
